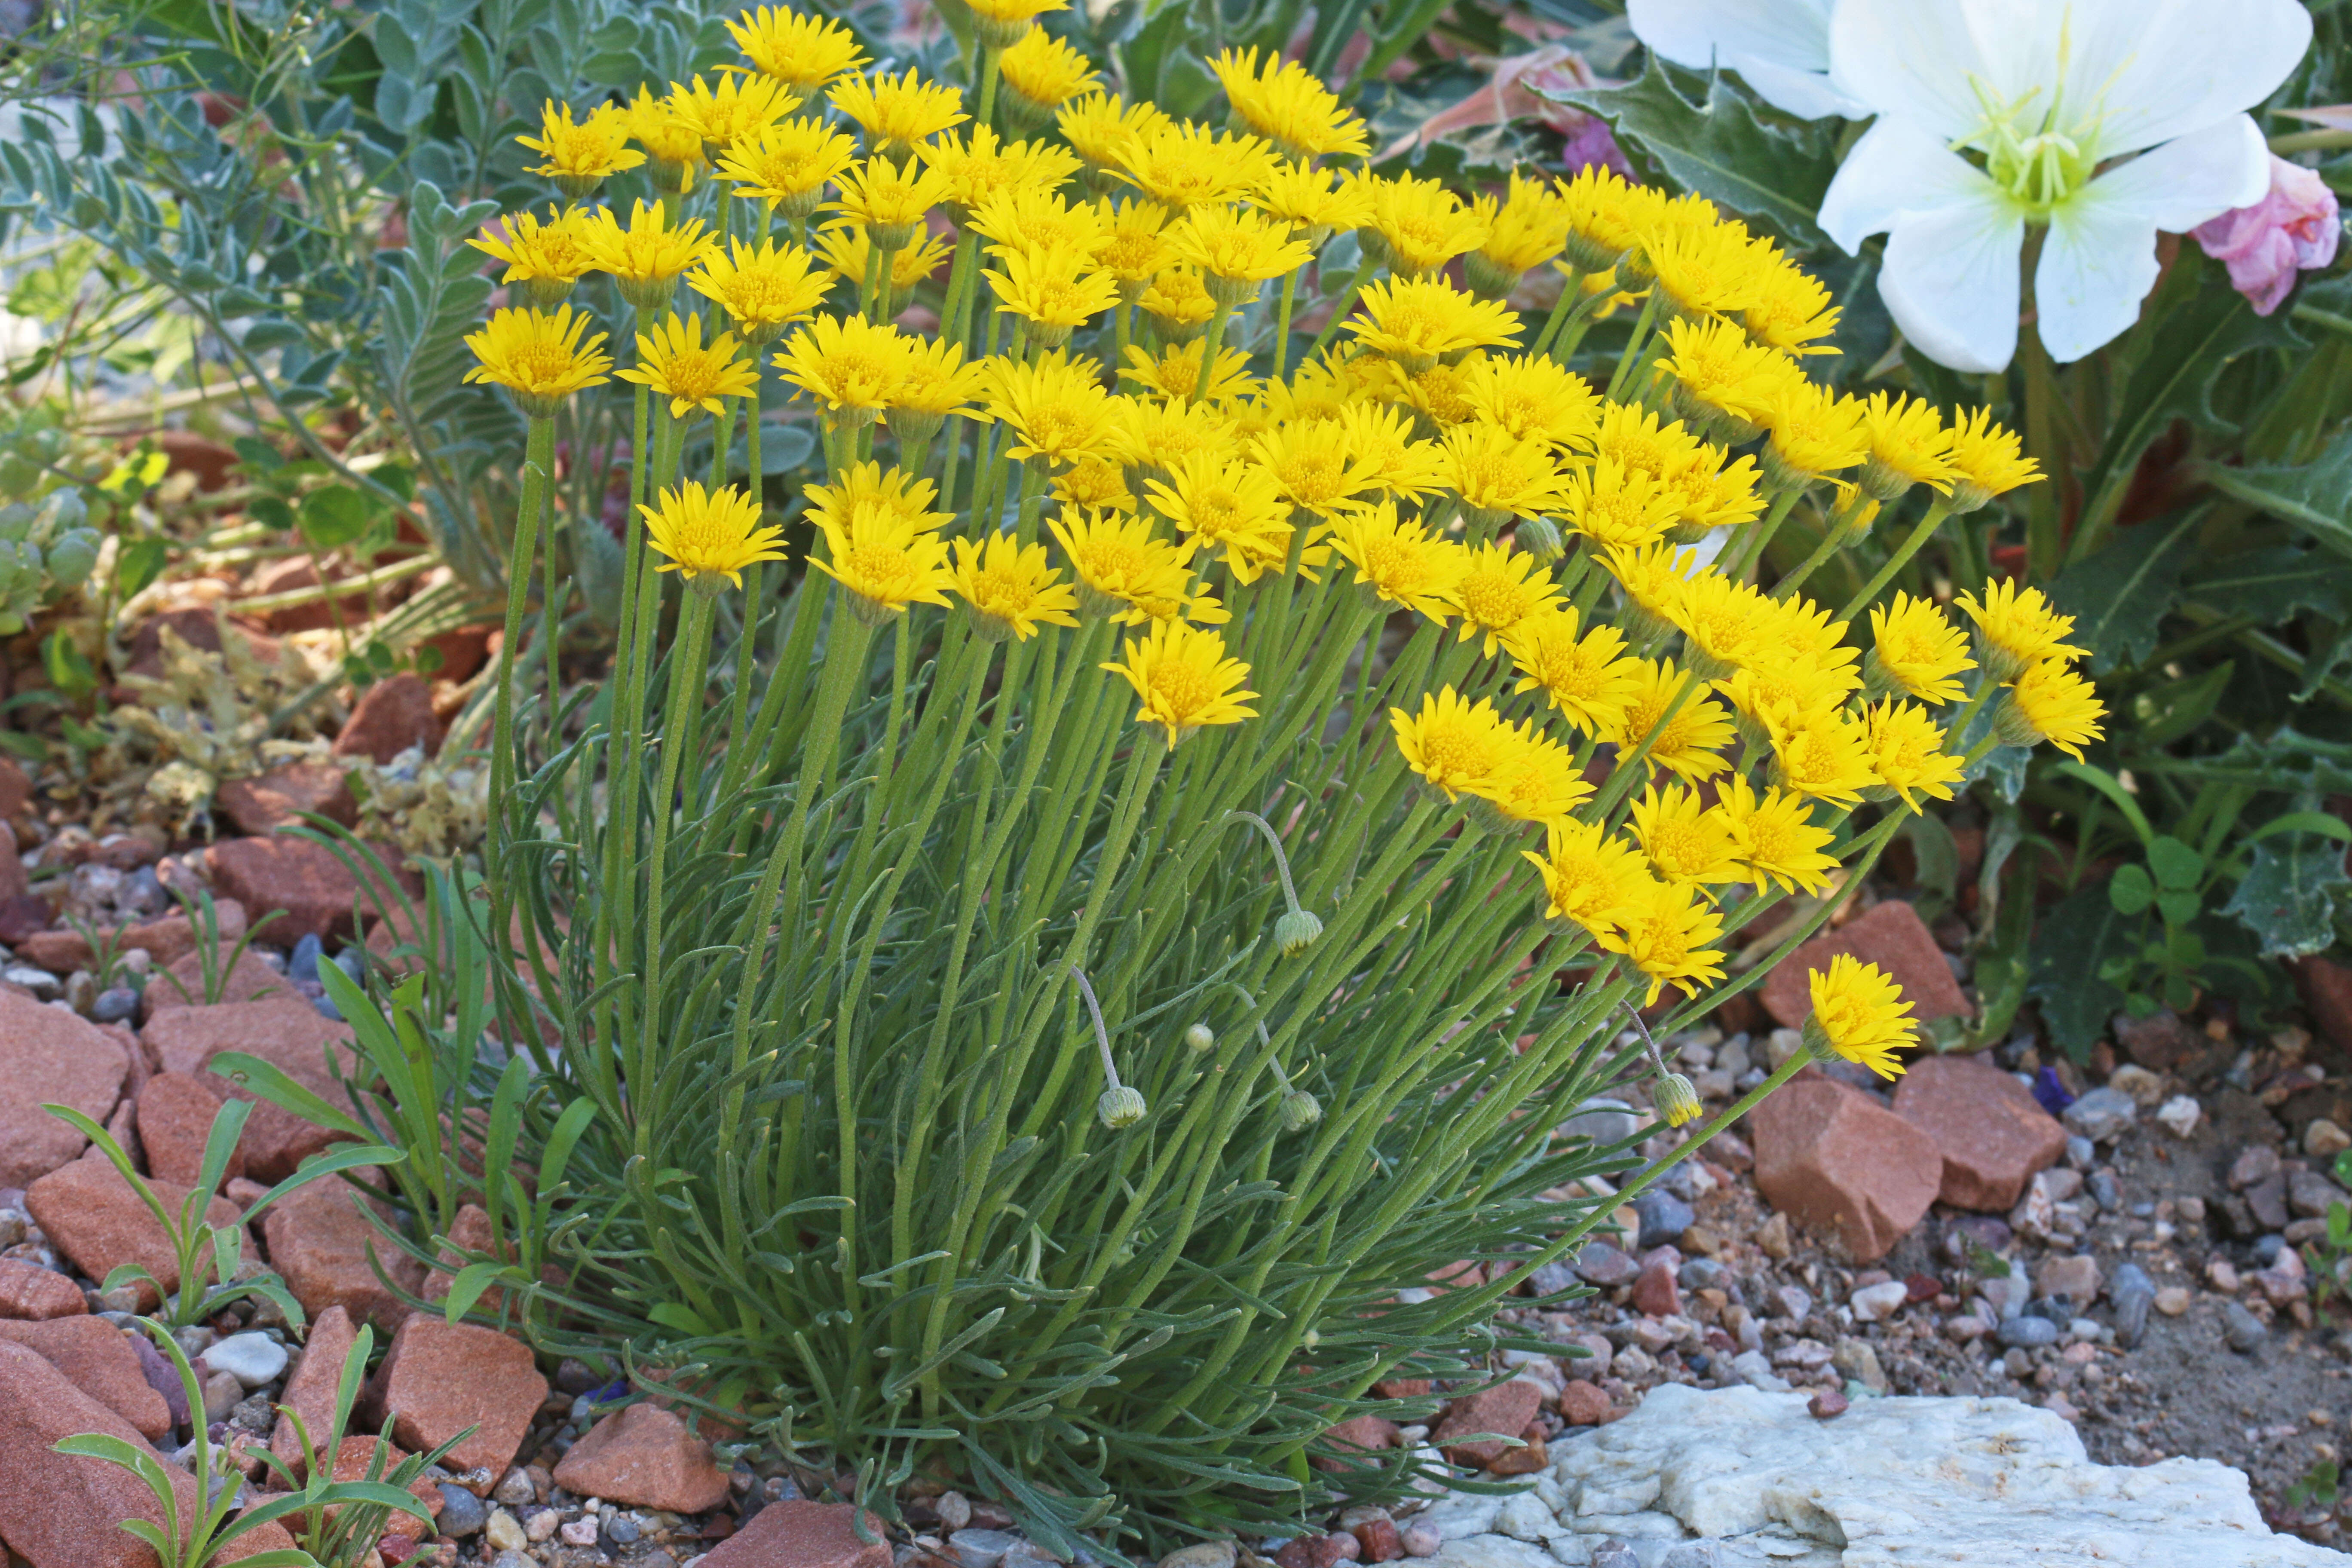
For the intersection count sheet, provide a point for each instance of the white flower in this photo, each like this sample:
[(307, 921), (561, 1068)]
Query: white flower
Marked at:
[(2046, 94), (1780, 48)]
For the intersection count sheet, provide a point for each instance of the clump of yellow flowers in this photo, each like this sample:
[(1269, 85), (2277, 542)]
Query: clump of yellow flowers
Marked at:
[(1106, 558)]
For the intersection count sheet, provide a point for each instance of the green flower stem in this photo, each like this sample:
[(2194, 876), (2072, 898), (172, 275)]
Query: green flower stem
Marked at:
[(1281, 322), (1033, 493), (1832, 540), (1341, 308), (1937, 509), (1122, 325), (1752, 549), (1636, 346), (682, 728), (873, 271), (989, 59), (539, 460), (1220, 313), (1571, 295), (754, 611)]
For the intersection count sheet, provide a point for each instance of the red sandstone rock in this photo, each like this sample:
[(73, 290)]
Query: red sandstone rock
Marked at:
[(199, 628), (15, 789), (471, 1232), (100, 1362), (302, 877), (1377, 1537), (1582, 1404), (2326, 989), (292, 575), (310, 1391), (1828, 1157), (187, 452), (463, 651), (643, 1457), (1506, 1409), (167, 941), (440, 1378), (803, 1534), (60, 1512), (30, 1293), (1656, 1293), (14, 884), (241, 978), (320, 1241), (1991, 1133), (1355, 1438), (48, 1056), (24, 917), (175, 1119), (284, 1031), (94, 1218), (280, 797), (389, 716), (1889, 934)]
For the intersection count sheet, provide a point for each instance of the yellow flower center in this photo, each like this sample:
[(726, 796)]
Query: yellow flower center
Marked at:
[(1181, 690), (1682, 847), (1457, 753), (1494, 598), (879, 574)]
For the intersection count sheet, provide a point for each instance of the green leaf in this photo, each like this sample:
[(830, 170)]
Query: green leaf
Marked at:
[(334, 517), (2176, 864), (2189, 344), (2273, 585), (2314, 496), (138, 563), (2072, 945), (2177, 909), (2119, 596), (467, 1288), (1720, 149), (2287, 897), (270, 512), (68, 670), (2130, 890)]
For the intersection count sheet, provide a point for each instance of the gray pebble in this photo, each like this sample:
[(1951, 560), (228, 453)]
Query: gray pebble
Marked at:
[(2267, 1249), (515, 1491), (1614, 1553), (462, 1513), (115, 1005), (2243, 1331), (2105, 1192), (621, 1528), (1699, 1274), (2102, 1114), (303, 962), (2133, 1292), (2080, 1152), (512, 1560), (1664, 1217), (2027, 1332)]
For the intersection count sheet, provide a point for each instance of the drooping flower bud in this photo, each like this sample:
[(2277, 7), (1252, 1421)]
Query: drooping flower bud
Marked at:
[(1300, 1111), (1120, 1106), (1676, 1100), (1201, 1038), (1295, 931)]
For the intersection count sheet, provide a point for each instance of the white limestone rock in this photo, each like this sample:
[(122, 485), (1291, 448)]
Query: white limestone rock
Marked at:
[(1893, 1483), (1493, 1552)]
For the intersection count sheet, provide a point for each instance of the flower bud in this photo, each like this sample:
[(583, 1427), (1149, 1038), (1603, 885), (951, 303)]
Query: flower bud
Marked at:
[(1676, 1100), (1120, 1106), (1540, 537), (1295, 931), (1300, 1111), (1200, 1037)]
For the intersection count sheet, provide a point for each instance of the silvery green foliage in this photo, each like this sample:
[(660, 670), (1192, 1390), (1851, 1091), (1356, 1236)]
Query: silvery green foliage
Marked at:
[(47, 550), (281, 231)]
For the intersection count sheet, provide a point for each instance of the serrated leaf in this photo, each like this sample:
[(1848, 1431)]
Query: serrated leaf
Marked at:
[(2189, 344), (2314, 496), (2275, 585), (1720, 149), (2287, 897), (2071, 943), (2119, 596)]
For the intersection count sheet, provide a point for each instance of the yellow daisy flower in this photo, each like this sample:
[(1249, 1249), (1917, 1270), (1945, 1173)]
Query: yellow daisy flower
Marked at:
[(1056, 406), (888, 199), (1591, 878), (1001, 22), (580, 156), (1178, 305), (1236, 509), (799, 51), (1907, 751), (1236, 249), (1908, 447), (1859, 1013), (2050, 702), (1916, 650), (1054, 291), (1533, 398), (1987, 462), (1584, 675), (787, 165), (675, 363), (1416, 321), (741, 106), (1316, 202), (1454, 744), (1775, 839), (540, 358), (1174, 374), (764, 291), (1815, 432), (1535, 781), (1123, 569), (1399, 562), (646, 258), (1686, 743), (1664, 931), (709, 535), (898, 114), (1688, 844), (547, 258), (1010, 589), (1617, 508), (1185, 681), (847, 249), (1420, 224), (1283, 102), (2016, 629), (1500, 589), (881, 559), (850, 365), (1040, 73), (673, 143), (1181, 165), (984, 165), (1525, 229), (1819, 754), (1498, 476)]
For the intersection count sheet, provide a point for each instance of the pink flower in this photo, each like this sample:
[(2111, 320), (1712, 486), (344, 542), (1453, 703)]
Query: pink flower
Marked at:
[(2294, 226)]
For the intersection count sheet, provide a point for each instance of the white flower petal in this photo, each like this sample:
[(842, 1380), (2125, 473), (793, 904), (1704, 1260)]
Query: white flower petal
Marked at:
[(1896, 168), (1924, 60), (1780, 48), (2099, 260), (1950, 281), (1704, 33), (2154, 69), (1807, 95)]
